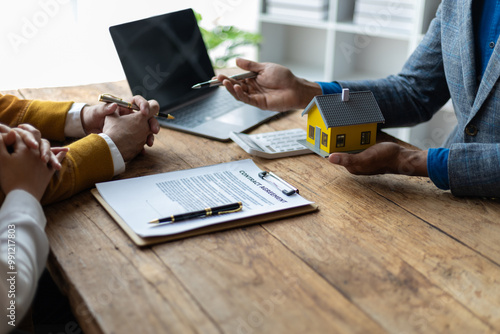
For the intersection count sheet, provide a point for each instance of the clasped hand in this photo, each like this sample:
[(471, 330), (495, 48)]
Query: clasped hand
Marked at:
[(129, 130), (28, 161)]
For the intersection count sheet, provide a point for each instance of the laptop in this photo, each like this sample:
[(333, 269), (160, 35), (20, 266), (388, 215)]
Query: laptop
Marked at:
[(163, 57)]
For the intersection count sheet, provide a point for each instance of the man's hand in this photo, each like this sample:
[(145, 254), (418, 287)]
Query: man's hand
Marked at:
[(383, 158), (274, 88), (93, 117), (149, 109), (131, 131)]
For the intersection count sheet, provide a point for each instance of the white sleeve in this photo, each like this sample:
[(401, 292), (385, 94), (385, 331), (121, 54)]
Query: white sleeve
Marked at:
[(118, 162), (73, 127), (24, 248)]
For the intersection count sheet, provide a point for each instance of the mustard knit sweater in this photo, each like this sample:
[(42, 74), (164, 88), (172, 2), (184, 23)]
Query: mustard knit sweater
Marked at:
[(88, 161)]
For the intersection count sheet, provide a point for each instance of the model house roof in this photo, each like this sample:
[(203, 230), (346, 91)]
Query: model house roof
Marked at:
[(360, 108)]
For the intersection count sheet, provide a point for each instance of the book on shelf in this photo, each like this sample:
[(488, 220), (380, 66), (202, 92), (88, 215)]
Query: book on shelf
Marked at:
[(310, 10), (301, 3), (390, 2), (404, 25), (394, 14), (297, 13), (386, 9)]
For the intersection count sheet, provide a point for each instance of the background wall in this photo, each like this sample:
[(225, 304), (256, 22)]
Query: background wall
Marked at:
[(51, 43), (47, 43)]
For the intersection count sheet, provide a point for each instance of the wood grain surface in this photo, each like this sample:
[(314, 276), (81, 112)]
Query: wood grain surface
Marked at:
[(384, 254)]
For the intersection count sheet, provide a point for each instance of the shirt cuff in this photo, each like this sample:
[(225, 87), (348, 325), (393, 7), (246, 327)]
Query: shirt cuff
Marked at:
[(73, 127), (330, 87), (118, 163), (437, 167)]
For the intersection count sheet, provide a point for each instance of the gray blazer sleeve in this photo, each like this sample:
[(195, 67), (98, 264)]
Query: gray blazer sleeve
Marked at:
[(474, 169), (443, 67)]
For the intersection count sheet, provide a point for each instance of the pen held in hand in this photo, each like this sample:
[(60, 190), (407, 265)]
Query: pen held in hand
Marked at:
[(215, 82), (108, 98), (218, 210)]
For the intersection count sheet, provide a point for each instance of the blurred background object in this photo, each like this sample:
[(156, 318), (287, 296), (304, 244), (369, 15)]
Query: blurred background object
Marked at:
[(225, 43)]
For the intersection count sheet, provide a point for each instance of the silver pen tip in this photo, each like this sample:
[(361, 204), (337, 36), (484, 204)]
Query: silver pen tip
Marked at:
[(197, 86)]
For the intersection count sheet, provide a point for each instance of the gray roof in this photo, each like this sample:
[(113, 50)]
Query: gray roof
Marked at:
[(362, 108)]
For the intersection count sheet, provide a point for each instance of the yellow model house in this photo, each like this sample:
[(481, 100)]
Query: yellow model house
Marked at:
[(345, 122)]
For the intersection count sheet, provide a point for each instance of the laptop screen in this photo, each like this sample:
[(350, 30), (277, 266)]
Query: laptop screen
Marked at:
[(163, 56)]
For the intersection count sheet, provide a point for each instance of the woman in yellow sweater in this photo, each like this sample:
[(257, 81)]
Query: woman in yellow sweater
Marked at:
[(111, 135)]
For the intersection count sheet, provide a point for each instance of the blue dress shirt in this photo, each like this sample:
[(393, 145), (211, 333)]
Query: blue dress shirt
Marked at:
[(486, 16)]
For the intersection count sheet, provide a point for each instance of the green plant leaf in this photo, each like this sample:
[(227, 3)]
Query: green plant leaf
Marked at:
[(229, 37)]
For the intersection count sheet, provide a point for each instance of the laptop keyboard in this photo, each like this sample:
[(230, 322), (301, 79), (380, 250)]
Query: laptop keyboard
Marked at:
[(204, 110)]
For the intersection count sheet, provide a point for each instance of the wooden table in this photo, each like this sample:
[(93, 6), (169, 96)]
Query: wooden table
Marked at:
[(384, 254)]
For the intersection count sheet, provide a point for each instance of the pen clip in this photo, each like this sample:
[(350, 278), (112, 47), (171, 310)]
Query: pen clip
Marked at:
[(106, 97), (231, 211), (291, 189), (109, 98)]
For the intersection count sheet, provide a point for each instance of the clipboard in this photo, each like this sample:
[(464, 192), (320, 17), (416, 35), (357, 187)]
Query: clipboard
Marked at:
[(142, 242), (133, 202)]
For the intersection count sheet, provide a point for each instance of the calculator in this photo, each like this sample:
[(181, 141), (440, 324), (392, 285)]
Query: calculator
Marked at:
[(272, 145)]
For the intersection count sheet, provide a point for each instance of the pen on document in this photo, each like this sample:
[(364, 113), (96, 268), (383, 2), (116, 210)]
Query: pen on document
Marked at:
[(215, 82), (108, 98), (218, 210)]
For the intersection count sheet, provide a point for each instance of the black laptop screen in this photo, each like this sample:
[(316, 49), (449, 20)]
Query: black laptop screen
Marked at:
[(163, 56)]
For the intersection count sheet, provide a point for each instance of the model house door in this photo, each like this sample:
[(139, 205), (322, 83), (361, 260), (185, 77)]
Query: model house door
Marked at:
[(317, 138)]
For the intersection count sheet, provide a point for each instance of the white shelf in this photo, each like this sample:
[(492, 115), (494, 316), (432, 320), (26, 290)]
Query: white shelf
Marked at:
[(361, 75), (293, 21), (314, 73), (338, 48), (373, 31)]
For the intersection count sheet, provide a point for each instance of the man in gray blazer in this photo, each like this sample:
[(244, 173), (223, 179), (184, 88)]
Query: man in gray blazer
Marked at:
[(459, 59)]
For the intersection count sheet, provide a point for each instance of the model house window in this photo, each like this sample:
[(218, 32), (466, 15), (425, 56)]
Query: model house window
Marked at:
[(311, 132), (340, 140), (365, 137), (324, 139)]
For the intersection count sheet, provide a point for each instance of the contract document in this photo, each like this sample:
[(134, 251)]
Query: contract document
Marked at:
[(137, 201)]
